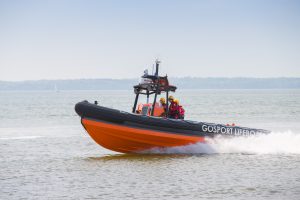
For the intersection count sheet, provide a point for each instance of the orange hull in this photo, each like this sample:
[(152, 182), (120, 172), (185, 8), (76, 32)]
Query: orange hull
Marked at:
[(129, 140)]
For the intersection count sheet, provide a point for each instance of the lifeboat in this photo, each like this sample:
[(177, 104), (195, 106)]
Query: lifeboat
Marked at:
[(148, 125)]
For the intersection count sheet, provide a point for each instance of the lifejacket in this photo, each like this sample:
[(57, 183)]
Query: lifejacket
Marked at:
[(181, 112), (172, 110), (176, 111), (164, 107)]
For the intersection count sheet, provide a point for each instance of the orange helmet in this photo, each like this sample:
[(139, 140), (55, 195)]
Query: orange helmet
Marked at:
[(171, 98), (176, 101), (162, 100)]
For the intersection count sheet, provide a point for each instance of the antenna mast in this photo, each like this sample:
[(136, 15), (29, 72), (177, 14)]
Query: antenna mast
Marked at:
[(157, 62)]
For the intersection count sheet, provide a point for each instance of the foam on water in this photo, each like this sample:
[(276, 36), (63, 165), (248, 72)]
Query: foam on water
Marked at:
[(26, 133), (21, 137), (274, 143)]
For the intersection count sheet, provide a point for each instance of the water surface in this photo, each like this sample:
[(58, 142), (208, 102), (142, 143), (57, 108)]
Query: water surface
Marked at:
[(46, 154)]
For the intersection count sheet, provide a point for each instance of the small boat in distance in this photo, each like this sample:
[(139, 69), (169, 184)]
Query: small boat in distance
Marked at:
[(55, 88), (144, 128)]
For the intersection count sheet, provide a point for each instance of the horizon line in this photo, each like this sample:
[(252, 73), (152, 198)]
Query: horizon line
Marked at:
[(118, 79)]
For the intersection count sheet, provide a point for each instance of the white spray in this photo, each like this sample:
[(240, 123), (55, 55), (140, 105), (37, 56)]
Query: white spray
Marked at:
[(274, 143)]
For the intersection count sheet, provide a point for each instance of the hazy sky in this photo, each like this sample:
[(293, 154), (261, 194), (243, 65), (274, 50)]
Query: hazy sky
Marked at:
[(118, 39)]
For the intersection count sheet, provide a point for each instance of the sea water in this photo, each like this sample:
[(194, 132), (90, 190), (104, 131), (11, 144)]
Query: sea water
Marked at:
[(46, 154)]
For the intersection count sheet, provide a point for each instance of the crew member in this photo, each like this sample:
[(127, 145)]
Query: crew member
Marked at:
[(171, 99), (172, 108), (180, 111), (176, 111), (163, 105)]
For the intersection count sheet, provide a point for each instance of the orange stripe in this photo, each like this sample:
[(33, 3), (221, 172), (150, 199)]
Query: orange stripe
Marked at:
[(127, 139)]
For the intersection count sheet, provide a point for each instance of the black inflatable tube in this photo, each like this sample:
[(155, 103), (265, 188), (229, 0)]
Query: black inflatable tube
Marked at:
[(95, 112)]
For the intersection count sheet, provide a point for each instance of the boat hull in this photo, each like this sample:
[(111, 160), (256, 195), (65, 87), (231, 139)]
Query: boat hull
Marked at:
[(128, 140)]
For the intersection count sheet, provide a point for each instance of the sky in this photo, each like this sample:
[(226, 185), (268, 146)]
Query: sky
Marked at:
[(75, 39)]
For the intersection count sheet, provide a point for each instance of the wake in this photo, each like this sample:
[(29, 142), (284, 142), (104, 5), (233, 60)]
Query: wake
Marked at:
[(274, 143)]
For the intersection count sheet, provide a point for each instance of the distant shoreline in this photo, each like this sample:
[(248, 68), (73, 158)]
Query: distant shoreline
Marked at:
[(126, 84)]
